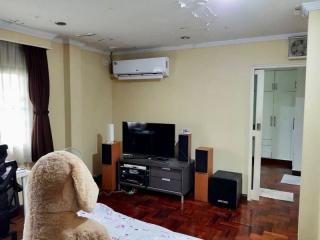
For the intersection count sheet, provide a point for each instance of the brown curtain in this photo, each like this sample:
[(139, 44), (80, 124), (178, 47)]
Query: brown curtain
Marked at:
[(39, 91)]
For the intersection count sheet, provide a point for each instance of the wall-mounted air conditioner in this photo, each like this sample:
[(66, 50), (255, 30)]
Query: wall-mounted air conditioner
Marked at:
[(147, 68)]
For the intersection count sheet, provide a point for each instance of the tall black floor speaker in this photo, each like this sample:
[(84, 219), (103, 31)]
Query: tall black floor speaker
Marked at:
[(184, 153), (110, 156), (204, 169)]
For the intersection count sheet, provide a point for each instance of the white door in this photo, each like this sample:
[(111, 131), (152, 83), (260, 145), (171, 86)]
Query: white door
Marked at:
[(267, 126), (298, 134), (298, 123), (256, 134), (284, 108)]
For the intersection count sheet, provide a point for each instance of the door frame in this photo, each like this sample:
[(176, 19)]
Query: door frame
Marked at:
[(253, 194)]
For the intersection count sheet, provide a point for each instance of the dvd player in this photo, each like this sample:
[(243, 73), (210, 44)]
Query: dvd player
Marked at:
[(134, 174)]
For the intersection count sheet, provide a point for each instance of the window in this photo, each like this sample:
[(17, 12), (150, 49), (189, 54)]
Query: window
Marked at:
[(15, 106)]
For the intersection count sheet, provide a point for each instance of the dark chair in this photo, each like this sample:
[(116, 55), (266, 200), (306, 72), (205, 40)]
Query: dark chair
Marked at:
[(9, 188)]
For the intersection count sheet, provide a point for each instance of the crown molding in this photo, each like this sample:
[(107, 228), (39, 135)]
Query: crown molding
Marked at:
[(82, 45), (47, 35), (307, 7), (85, 46), (64, 40), (26, 30), (212, 44)]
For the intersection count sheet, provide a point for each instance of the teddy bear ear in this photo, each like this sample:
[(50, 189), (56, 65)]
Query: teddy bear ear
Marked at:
[(86, 189)]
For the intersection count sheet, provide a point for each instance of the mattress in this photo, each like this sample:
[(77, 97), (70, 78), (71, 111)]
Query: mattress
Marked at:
[(122, 227)]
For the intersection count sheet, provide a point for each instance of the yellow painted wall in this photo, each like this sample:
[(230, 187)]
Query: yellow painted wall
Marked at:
[(309, 228), (91, 103), (88, 102), (57, 98), (21, 38), (80, 96), (207, 91)]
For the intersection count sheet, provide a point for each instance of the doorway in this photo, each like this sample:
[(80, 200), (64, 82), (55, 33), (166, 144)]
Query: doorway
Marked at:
[(276, 127)]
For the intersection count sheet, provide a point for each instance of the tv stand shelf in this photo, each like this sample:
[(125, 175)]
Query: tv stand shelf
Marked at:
[(172, 176)]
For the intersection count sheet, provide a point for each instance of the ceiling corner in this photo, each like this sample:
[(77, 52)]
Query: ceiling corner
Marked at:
[(308, 7), (26, 30)]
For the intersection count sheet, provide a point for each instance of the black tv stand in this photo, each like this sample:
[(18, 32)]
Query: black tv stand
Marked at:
[(167, 175)]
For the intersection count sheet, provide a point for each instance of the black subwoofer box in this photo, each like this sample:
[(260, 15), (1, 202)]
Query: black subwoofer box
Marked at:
[(224, 189)]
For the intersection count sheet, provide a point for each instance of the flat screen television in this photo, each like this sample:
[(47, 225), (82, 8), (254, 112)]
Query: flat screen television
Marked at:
[(151, 139)]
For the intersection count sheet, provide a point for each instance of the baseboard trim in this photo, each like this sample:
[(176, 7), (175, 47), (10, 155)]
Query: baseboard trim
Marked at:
[(277, 162), (244, 198), (296, 173)]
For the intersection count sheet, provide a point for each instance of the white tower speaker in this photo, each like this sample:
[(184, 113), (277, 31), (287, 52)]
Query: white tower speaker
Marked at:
[(110, 133)]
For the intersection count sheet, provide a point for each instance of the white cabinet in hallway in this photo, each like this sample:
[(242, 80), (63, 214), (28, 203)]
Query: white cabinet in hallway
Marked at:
[(267, 115), (278, 114)]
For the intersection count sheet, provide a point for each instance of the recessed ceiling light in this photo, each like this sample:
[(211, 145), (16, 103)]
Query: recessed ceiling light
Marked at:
[(185, 37), (59, 23), (86, 35), (112, 47)]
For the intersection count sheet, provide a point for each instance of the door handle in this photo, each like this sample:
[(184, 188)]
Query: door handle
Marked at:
[(293, 122), (274, 121), (271, 118), (258, 126)]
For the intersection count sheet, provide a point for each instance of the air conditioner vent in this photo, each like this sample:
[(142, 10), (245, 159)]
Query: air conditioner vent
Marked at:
[(137, 69)]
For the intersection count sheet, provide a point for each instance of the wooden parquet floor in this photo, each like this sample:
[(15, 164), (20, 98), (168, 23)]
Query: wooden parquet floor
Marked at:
[(264, 220), (250, 221)]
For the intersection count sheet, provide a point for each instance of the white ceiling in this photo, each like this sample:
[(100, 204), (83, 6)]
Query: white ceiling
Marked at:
[(130, 24)]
